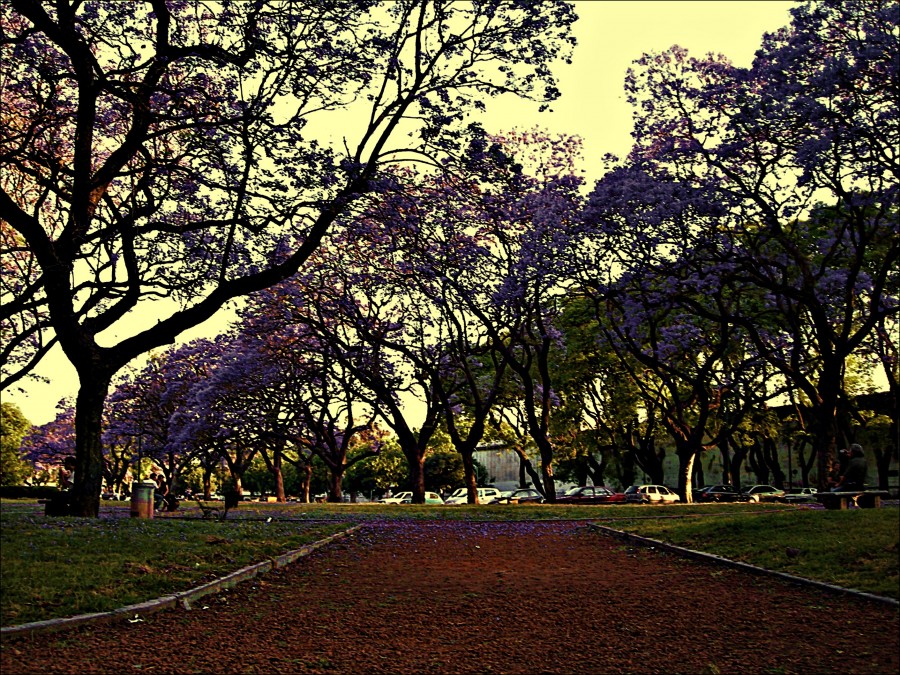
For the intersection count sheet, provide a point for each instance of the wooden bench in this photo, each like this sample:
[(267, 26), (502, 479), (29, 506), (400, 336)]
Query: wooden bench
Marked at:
[(864, 499)]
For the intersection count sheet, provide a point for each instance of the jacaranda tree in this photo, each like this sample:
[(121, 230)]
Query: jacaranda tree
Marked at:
[(454, 289), (165, 149), (142, 404), (784, 177), (47, 446), (602, 401), (302, 399), (353, 296)]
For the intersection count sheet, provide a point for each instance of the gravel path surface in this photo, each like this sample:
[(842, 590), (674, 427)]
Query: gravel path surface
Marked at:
[(456, 597)]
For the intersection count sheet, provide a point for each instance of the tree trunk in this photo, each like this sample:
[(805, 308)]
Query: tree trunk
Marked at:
[(686, 456), (279, 481), (207, 483), (883, 463), (417, 476), (273, 466), (173, 474), (546, 449), (627, 472), (804, 464), (306, 478), (698, 478), (770, 449), (758, 463), (335, 489), (596, 469), (649, 459), (825, 453), (737, 463), (413, 447), (470, 478), (88, 448), (825, 415), (526, 466), (728, 473)]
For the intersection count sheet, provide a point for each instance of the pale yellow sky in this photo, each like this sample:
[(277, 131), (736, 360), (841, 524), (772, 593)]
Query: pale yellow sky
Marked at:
[(611, 35)]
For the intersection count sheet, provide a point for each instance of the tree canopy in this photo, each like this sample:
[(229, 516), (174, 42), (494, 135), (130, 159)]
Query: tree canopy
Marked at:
[(165, 150)]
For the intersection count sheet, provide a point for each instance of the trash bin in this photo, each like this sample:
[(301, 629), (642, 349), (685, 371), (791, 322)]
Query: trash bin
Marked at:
[(142, 499)]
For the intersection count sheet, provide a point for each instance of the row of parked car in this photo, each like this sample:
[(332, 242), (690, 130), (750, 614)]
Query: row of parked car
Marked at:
[(754, 493), (636, 494), (591, 494), (486, 495)]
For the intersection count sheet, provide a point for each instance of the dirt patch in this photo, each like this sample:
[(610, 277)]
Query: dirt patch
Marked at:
[(452, 597)]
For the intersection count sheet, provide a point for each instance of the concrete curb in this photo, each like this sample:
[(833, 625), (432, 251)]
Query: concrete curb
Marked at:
[(719, 560), (185, 598)]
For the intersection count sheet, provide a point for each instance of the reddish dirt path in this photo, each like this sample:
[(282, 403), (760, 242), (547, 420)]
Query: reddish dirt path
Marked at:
[(488, 598)]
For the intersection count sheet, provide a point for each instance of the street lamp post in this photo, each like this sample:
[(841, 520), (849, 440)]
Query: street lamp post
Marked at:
[(137, 476), (790, 471)]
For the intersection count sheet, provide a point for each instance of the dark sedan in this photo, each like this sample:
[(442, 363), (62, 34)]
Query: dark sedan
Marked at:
[(720, 493), (590, 494)]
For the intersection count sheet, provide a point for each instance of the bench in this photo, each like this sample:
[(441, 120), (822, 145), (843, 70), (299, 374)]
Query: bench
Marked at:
[(864, 499), (57, 505), (215, 511), (208, 511)]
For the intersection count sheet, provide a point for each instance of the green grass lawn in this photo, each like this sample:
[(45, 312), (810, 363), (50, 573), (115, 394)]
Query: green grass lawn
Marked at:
[(52, 567), (855, 548)]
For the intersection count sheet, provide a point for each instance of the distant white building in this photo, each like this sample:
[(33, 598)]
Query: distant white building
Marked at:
[(502, 464)]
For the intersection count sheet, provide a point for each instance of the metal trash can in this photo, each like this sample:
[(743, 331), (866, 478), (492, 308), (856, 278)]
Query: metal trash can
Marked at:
[(142, 499)]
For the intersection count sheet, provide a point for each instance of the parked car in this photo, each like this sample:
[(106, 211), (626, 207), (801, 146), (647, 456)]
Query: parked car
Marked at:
[(430, 498), (650, 494), (762, 493), (720, 493), (461, 496), (697, 493), (518, 496), (562, 489), (455, 495), (395, 499), (591, 494), (800, 495)]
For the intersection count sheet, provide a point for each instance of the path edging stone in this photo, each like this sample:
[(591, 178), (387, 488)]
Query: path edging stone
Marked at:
[(719, 560), (185, 598)]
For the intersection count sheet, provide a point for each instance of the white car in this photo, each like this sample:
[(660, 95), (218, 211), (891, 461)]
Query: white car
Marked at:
[(800, 495), (430, 498), (650, 494), (461, 496), (396, 499), (762, 493), (521, 495)]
